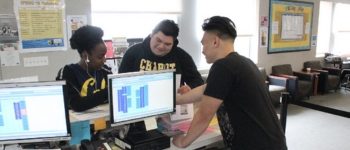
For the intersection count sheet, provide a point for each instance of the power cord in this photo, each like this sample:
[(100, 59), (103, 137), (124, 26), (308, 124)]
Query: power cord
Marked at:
[(124, 131)]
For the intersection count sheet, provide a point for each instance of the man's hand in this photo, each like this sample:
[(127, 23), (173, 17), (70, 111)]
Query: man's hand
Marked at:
[(183, 89), (178, 141)]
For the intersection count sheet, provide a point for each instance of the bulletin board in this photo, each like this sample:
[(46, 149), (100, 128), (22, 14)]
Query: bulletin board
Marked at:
[(290, 26)]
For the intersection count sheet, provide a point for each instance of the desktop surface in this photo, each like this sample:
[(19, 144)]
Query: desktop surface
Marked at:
[(203, 140), (101, 111)]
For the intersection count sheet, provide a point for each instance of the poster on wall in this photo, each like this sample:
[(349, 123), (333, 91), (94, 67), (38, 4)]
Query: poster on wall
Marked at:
[(313, 40), (264, 21), (8, 33), (74, 22), (120, 46), (41, 25), (263, 36), (291, 26), (9, 55), (9, 58)]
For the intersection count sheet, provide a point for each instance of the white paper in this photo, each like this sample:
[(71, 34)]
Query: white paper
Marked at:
[(93, 113), (74, 22), (9, 48), (120, 46), (307, 28), (150, 123), (182, 111), (21, 79), (275, 27), (292, 27), (177, 85), (13, 147), (10, 58), (111, 63)]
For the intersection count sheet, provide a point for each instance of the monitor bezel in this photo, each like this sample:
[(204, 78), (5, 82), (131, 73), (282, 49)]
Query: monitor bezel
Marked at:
[(130, 74), (41, 139)]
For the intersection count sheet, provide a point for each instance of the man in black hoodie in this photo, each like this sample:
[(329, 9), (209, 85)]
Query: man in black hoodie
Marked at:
[(159, 51)]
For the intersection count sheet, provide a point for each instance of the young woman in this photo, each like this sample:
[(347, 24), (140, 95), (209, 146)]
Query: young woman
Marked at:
[(87, 79)]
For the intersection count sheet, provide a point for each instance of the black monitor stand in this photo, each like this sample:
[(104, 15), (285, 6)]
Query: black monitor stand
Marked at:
[(138, 137), (137, 127), (138, 133)]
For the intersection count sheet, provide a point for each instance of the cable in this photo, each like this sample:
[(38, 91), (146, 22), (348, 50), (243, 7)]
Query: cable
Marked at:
[(123, 132), (87, 71)]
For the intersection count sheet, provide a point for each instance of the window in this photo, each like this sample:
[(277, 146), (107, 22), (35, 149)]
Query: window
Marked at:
[(130, 25), (341, 29), (123, 18), (333, 29), (324, 28), (246, 26)]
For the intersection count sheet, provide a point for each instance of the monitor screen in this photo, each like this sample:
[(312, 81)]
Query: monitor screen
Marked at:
[(33, 112), (138, 95)]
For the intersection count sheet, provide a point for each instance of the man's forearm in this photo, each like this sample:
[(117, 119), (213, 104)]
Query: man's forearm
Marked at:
[(192, 96), (199, 124)]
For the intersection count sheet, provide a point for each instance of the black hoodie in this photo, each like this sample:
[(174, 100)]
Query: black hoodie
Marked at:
[(140, 57)]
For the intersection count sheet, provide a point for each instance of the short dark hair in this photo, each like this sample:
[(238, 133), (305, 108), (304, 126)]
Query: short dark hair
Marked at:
[(223, 27), (168, 27), (86, 38)]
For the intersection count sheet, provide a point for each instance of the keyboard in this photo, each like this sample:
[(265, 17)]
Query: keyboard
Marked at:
[(146, 136)]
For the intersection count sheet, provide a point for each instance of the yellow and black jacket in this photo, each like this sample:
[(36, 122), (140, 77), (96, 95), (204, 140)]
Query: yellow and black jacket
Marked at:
[(84, 90)]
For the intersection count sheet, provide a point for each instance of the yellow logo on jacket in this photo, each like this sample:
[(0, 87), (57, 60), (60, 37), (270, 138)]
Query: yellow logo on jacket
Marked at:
[(90, 83), (147, 65)]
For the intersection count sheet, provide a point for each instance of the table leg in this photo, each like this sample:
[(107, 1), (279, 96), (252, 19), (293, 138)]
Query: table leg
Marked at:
[(315, 85)]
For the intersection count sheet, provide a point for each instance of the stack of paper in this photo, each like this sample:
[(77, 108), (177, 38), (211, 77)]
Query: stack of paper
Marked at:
[(172, 125), (184, 125), (90, 114)]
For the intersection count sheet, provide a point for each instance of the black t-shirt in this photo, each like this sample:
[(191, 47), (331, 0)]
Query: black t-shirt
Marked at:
[(247, 111)]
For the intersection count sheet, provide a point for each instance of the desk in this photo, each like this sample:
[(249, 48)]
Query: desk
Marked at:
[(203, 140), (336, 64), (105, 114)]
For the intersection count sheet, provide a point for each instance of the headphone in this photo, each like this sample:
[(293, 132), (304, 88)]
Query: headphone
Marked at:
[(87, 57)]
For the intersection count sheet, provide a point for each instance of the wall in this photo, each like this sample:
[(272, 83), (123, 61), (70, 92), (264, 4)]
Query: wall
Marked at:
[(187, 40), (56, 59), (296, 59)]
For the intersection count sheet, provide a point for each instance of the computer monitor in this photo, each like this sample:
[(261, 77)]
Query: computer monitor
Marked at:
[(33, 112), (138, 95)]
